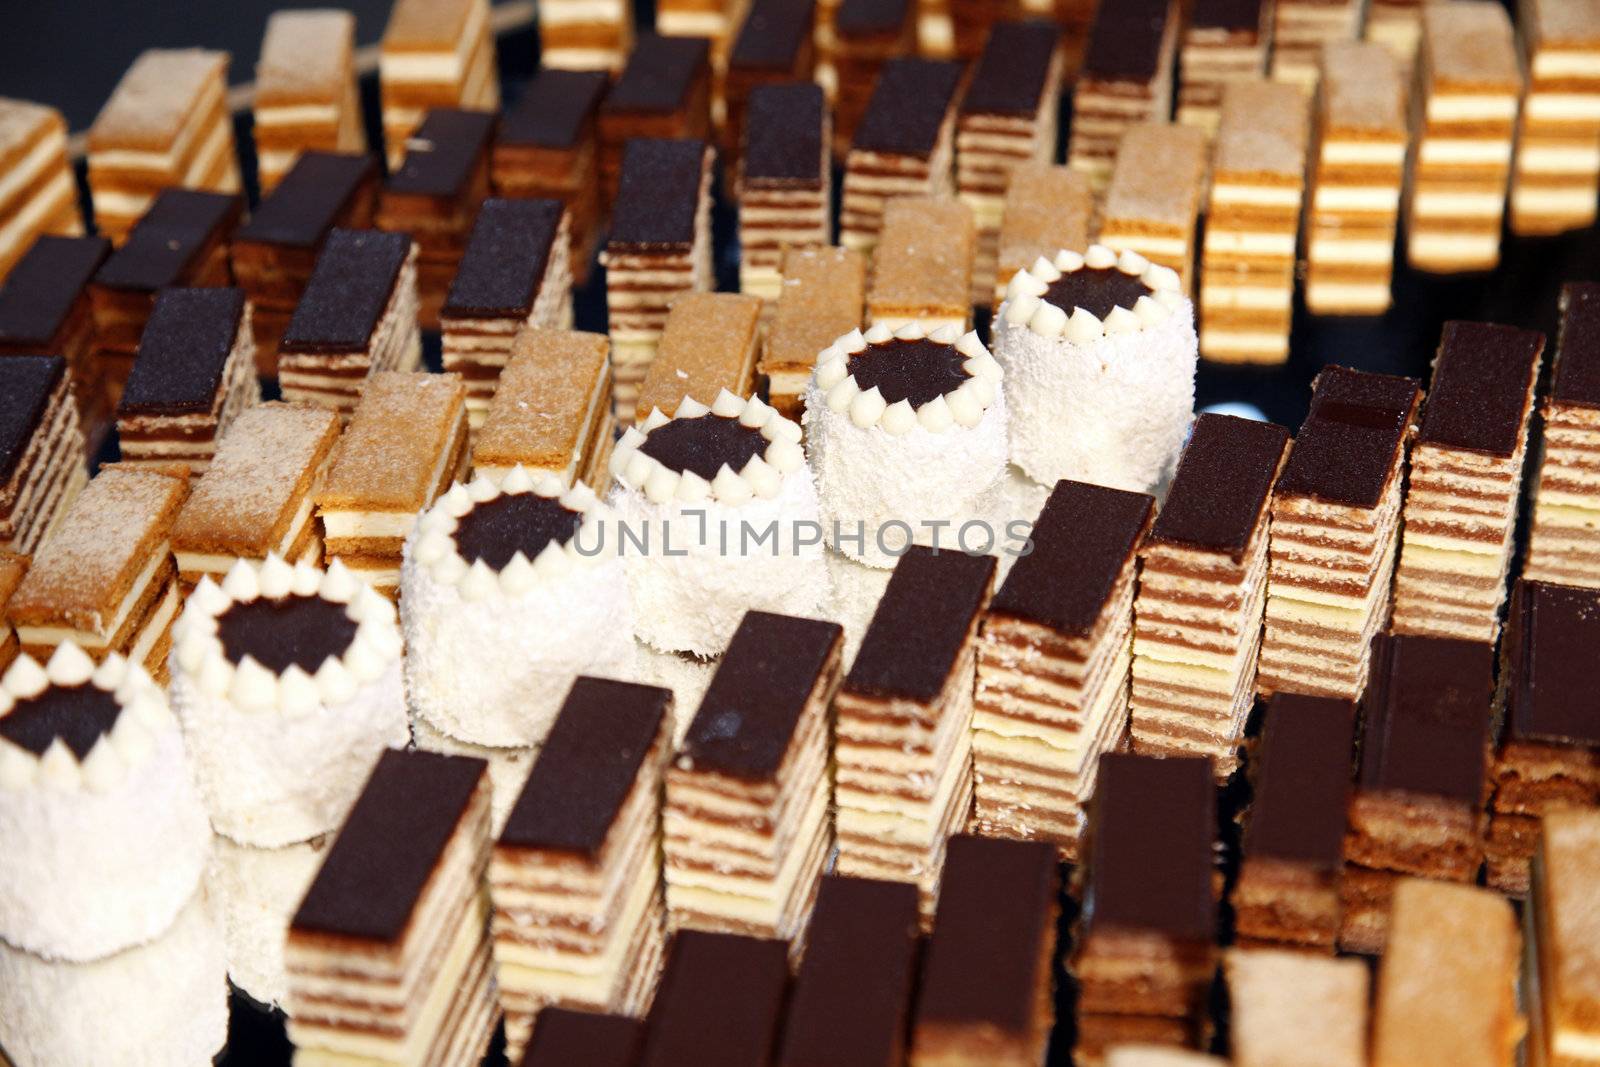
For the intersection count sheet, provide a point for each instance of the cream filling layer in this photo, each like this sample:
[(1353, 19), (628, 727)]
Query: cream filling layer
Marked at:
[(30, 166)]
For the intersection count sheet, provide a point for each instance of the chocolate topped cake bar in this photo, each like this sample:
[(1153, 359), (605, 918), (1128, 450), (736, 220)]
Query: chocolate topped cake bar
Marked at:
[(785, 182), (181, 241), (903, 729), (551, 409), (40, 195), (1292, 1007), (255, 497), (720, 1002), (664, 91), (1153, 204), (1047, 208), (435, 54), (548, 146), (435, 195), (1557, 164), (388, 952), (45, 307), (856, 39), (406, 442), (710, 344), (1469, 89), (775, 46), (1126, 79), (1224, 41), (660, 246), (1336, 532), (166, 125), (1008, 118), (1146, 947), (851, 1001), (904, 145), (746, 820), (575, 877), (1562, 962), (822, 296), (42, 460), (275, 252), (306, 96), (1300, 29), (562, 1037), (357, 317), (105, 579), (514, 275), (1465, 481), (1053, 664), (922, 266), (1564, 539), (986, 993), (1202, 589), (1288, 885)]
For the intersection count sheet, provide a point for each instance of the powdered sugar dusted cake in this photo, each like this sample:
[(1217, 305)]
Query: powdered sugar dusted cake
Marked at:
[(508, 594), (1099, 351), (716, 514), (104, 836), (287, 681), (905, 428)]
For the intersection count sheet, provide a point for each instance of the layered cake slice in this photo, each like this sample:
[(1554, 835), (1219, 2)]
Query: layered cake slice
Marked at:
[(904, 146), (1397, 25), (660, 246), (388, 952), (856, 39), (775, 46), (1300, 29), (1336, 533), (1008, 117), (1202, 589), (275, 252), (986, 994), (1561, 937), (435, 195), (105, 579), (1157, 187), (575, 876), (406, 442), (1287, 890), (435, 54), (166, 125), (922, 267), (42, 460), (195, 373), (785, 181), (1564, 538), (547, 146), (1247, 262), (720, 1002), (663, 92), (710, 344), (551, 409), (1125, 80), (1358, 168), (40, 195), (1053, 665), (581, 35), (903, 722), (746, 820), (1287, 1005), (1225, 41), (306, 95), (255, 498), (1465, 482), (357, 317), (1047, 208), (1420, 791), (1469, 88), (514, 275), (1557, 167), (822, 297)]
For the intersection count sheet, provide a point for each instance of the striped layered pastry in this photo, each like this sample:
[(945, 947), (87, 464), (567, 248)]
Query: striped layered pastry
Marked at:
[(585, 34), (42, 459), (1564, 538), (435, 54), (785, 181), (1300, 28), (1126, 79), (1224, 41), (306, 96), (38, 194), (1557, 168)]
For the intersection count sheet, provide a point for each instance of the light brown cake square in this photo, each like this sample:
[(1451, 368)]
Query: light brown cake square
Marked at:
[(552, 408), (922, 266), (709, 344)]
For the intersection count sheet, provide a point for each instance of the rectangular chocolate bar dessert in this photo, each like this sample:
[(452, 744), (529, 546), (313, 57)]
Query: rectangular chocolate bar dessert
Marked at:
[(720, 1002), (40, 196), (785, 182), (551, 410), (1564, 536), (435, 54), (663, 92), (306, 96), (822, 298), (1126, 79), (42, 461), (710, 343)]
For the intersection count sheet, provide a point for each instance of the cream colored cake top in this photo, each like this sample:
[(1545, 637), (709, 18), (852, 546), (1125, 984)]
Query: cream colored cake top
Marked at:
[(1569, 899), (1564, 23), (1264, 128), (403, 428), (428, 25), (1048, 208), (923, 261), (156, 98), (709, 344), (1160, 171), (1361, 89), (1469, 45), (544, 396), (306, 58), (22, 122), (1299, 1008), (824, 292)]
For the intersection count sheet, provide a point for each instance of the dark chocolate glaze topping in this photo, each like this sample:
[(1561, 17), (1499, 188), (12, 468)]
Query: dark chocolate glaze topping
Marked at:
[(1222, 486), (1425, 717), (1014, 69), (348, 290), (703, 444), (908, 108), (921, 624), (1552, 635), (183, 352), (320, 189), (660, 74), (1302, 789), (42, 288), (166, 243), (1350, 442), (556, 109), (1125, 42), (748, 716), (1082, 542), (783, 134), (1097, 290), (719, 1002), (565, 1038), (79, 715), (302, 630), (871, 16), (588, 766), (658, 194), (917, 371), (1227, 14), (1577, 373), (392, 841), (505, 259), (1479, 391), (773, 35), (992, 935), (443, 153), (1151, 826), (498, 529), (26, 383)]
